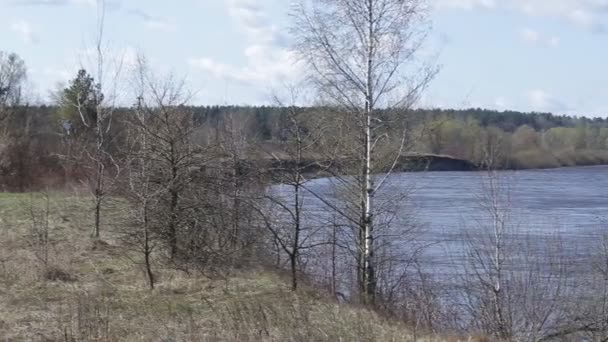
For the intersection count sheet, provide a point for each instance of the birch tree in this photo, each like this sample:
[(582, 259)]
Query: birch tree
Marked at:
[(363, 57), (517, 286)]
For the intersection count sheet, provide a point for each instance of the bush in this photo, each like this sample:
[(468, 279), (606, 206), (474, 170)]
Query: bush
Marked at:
[(536, 158), (27, 165)]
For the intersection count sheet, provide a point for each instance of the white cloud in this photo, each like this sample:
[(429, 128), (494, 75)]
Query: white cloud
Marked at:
[(60, 74), (129, 57), (264, 66), (210, 66), (530, 36), (54, 2), (538, 98), (84, 2), (250, 17), (466, 4), (25, 31), (155, 23), (40, 2), (267, 60), (501, 103), (554, 41), (118, 62), (161, 25), (541, 100), (109, 4), (584, 18), (582, 13), (587, 14), (534, 37)]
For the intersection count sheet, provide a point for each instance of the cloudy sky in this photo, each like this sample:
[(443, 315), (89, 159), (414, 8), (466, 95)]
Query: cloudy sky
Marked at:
[(543, 55)]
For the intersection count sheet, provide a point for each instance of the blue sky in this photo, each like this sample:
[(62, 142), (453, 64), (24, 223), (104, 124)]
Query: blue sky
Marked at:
[(543, 55)]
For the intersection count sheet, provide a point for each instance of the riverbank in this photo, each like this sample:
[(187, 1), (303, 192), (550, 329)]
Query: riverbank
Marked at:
[(525, 160), (542, 159), (407, 163), (429, 162), (85, 291)]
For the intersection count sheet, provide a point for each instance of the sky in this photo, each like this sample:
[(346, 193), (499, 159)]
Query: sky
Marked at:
[(527, 55)]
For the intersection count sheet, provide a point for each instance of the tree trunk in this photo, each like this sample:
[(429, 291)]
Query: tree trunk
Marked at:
[(334, 241), (173, 224), (97, 223), (147, 247), (174, 202), (235, 202), (296, 240), (368, 188), (294, 271), (99, 190)]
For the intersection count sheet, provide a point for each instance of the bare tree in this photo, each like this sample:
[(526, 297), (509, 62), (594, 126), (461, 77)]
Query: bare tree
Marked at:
[(488, 255), (142, 192), (293, 164), (517, 286), (363, 57), (598, 317), (188, 199), (589, 313), (39, 235), (171, 157), (198, 193), (104, 170), (234, 144)]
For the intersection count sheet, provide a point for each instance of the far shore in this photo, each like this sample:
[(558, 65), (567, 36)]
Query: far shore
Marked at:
[(423, 163)]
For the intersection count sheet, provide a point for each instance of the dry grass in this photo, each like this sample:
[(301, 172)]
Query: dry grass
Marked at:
[(105, 297)]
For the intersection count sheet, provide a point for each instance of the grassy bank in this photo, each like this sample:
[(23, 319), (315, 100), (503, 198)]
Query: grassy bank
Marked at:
[(97, 292)]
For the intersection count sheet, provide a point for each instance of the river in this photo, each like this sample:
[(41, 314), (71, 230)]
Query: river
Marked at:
[(446, 207)]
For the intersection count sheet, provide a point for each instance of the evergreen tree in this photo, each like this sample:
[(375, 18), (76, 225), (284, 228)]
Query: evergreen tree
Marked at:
[(79, 102)]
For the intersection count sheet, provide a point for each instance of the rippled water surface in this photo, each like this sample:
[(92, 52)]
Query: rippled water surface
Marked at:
[(570, 202)]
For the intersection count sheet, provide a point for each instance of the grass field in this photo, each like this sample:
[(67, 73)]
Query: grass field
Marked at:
[(97, 292)]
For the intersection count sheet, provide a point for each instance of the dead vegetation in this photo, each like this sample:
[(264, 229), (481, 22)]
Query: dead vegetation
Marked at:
[(96, 293)]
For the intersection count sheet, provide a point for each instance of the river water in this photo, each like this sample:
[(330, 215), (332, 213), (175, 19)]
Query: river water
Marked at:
[(447, 207)]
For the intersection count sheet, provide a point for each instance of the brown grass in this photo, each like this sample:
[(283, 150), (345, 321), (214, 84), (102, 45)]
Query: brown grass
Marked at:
[(99, 294)]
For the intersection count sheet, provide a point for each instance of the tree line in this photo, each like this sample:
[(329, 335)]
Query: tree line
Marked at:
[(33, 136)]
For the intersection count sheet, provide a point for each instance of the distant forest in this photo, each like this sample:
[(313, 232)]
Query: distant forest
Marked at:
[(519, 140), (33, 137)]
